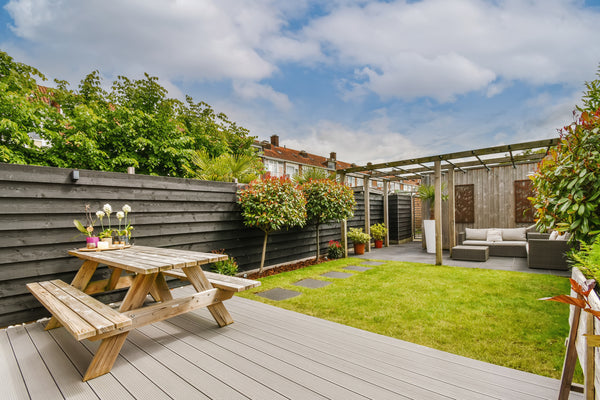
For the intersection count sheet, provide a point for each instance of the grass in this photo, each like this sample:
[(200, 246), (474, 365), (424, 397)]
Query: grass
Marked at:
[(488, 315)]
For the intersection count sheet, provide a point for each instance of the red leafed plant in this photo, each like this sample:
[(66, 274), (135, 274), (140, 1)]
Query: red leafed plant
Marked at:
[(583, 291)]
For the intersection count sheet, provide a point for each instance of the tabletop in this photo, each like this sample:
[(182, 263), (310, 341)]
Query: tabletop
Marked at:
[(148, 260)]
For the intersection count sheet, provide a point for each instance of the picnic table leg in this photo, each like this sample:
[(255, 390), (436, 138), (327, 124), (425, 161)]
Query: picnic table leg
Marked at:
[(114, 278), (200, 283), (105, 356), (80, 281), (160, 290), (109, 348)]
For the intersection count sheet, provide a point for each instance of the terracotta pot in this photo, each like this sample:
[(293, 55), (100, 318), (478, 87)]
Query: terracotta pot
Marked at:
[(378, 244), (359, 248)]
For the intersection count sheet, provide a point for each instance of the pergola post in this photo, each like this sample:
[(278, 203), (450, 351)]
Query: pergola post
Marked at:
[(386, 212), (344, 223), (451, 210), (367, 212), (437, 210)]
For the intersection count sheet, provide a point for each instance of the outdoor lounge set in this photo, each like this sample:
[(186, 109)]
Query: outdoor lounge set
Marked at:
[(542, 250)]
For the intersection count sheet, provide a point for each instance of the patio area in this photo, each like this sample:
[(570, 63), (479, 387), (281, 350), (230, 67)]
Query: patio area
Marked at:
[(268, 353), (413, 252)]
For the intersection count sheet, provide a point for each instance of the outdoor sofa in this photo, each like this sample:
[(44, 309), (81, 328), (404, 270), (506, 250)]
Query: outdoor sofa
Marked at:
[(548, 251), (503, 242)]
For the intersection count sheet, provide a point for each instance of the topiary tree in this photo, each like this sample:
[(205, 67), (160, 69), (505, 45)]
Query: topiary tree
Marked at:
[(270, 204), (327, 200)]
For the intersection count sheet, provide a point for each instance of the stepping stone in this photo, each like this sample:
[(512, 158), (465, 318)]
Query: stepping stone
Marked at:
[(338, 275), (312, 283), (372, 263), (278, 294), (357, 268)]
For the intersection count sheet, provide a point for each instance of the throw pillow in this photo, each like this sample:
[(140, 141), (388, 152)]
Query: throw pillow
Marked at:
[(553, 235), (475, 234), (565, 236), (494, 235), (516, 234)]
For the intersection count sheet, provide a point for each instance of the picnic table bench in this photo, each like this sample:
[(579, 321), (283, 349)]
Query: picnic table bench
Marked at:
[(87, 318)]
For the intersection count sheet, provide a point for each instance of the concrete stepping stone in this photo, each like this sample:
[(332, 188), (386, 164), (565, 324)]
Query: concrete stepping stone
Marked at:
[(372, 263), (357, 268), (337, 275), (312, 283), (278, 294)]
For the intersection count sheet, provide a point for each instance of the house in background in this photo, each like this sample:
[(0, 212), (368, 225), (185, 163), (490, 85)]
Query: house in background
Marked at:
[(281, 161)]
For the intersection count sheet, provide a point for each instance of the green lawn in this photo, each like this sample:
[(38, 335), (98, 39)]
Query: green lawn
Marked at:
[(489, 315)]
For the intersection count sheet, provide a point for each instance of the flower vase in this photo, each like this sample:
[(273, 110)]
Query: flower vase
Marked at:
[(92, 242)]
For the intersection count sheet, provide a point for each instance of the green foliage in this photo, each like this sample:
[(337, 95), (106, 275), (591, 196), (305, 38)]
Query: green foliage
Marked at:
[(378, 231), (587, 259), (591, 97), (135, 124), (427, 194), (335, 250), (270, 204), (312, 173), (327, 200), (358, 236), (226, 267), (243, 168), (567, 181)]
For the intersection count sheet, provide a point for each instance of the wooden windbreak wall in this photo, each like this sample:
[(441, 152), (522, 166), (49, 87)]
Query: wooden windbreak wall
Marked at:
[(38, 205), (493, 195)]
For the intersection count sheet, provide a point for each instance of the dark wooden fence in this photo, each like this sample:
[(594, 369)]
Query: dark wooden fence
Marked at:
[(38, 205)]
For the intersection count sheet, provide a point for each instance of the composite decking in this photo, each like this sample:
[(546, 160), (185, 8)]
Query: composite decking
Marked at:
[(268, 353)]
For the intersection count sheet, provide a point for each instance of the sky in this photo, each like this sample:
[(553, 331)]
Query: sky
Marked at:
[(373, 81)]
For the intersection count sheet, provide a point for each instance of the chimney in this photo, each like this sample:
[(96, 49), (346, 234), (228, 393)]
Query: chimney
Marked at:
[(332, 156), (275, 140), (303, 153)]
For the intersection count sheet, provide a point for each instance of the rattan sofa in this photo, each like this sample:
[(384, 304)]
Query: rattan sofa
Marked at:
[(502, 242), (548, 254)]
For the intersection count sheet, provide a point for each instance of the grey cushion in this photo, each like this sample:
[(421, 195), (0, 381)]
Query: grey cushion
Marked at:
[(475, 234), (514, 234), (494, 235)]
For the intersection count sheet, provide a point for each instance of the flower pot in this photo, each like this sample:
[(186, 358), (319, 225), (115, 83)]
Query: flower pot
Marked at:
[(92, 242), (359, 248), (378, 244), (429, 228), (108, 240)]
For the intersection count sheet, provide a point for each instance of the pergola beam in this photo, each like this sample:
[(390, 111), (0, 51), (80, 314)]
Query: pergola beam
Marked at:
[(461, 154)]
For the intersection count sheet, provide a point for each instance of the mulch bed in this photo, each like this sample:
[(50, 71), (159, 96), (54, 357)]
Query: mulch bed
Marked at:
[(286, 268)]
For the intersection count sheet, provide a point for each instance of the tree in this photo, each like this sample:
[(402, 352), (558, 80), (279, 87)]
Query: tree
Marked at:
[(270, 204), (242, 168), (134, 124), (567, 181), (327, 200)]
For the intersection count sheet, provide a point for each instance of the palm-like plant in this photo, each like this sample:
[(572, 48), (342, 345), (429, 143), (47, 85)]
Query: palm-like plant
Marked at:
[(225, 168)]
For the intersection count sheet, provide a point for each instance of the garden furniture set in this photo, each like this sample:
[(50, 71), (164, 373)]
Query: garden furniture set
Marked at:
[(87, 318)]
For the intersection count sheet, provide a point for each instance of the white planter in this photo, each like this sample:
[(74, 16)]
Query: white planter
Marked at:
[(429, 229)]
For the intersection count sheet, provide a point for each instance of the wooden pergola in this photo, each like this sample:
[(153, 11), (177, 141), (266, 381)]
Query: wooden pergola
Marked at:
[(422, 167)]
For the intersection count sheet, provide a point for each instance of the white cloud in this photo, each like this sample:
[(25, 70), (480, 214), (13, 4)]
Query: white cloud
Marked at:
[(252, 91), (441, 49)]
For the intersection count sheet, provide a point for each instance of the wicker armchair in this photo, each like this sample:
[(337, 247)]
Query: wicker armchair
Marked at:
[(547, 254)]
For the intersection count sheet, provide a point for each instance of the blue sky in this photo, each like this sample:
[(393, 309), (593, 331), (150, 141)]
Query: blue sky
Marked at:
[(372, 81)]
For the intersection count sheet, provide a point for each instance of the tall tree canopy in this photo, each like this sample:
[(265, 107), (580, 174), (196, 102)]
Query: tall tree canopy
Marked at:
[(134, 124)]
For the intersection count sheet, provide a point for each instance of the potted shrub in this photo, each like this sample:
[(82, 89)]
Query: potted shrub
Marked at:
[(335, 250), (379, 231), (427, 195), (359, 238)]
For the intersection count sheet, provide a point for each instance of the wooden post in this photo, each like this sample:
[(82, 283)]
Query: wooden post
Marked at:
[(344, 224), (386, 211), (367, 212), (570, 358), (451, 210), (437, 211), (590, 372)]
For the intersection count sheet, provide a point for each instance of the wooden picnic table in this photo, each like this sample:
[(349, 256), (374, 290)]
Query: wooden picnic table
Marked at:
[(85, 317)]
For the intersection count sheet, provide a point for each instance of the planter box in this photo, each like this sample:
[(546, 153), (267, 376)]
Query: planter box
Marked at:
[(588, 325)]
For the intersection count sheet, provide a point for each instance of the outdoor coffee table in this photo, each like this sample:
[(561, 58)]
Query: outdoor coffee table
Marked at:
[(470, 253), (85, 317)]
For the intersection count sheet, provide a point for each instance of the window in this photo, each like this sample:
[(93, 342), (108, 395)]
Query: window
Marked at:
[(275, 168), (291, 170)]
